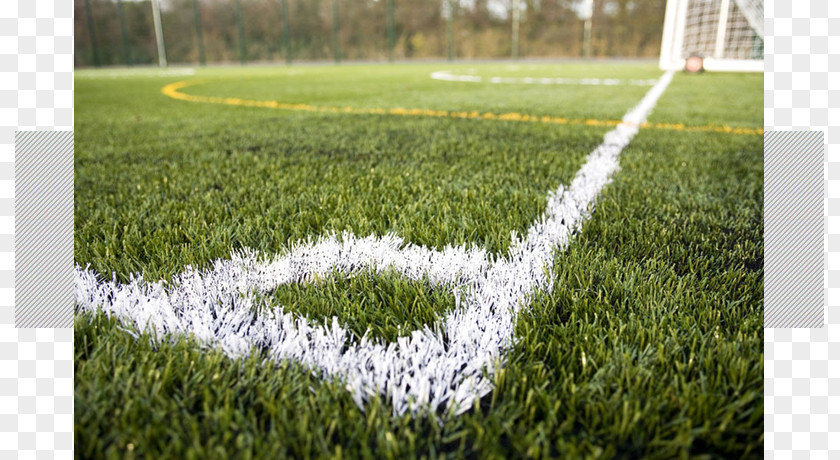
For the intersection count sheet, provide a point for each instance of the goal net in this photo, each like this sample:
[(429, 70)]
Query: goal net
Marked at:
[(727, 35)]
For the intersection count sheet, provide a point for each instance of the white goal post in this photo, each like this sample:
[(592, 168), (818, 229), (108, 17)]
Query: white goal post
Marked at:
[(728, 35)]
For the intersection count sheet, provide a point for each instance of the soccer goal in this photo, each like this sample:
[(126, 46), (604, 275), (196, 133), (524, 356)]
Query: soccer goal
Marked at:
[(714, 35)]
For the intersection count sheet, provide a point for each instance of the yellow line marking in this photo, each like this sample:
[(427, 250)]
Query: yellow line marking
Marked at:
[(173, 90)]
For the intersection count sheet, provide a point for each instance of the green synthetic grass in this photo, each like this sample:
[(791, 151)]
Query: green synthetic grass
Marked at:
[(165, 174), (410, 87), (649, 345), (383, 306)]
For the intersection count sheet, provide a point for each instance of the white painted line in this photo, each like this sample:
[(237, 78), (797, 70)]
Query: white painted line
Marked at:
[(93, 74), (445, 75), (451, 367)]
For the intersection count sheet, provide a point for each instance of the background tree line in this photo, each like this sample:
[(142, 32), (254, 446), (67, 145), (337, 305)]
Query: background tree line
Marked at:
[(123, 31)]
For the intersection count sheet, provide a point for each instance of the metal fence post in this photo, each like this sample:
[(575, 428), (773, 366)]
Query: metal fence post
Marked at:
[(198, 36), (515, 31), (390, 12), (123, 36), (161, 47), (92, 33), (587, 30), (450, 29), (335, 31), (241, 31), (286, 40)]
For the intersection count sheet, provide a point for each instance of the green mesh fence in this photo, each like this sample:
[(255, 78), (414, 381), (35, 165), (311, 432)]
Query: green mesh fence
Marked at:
[(121, 32)]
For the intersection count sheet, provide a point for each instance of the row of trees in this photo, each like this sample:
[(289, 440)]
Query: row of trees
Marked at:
[(120, 32)]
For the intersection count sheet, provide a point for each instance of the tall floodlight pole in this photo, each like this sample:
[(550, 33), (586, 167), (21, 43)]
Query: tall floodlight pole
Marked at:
[(515, 31), (336, 50), (287, 45), (241, 31), (390, 11), (450, 28), (161, 48), (123, 36), (92, 33), (198, 36), (587, 29)]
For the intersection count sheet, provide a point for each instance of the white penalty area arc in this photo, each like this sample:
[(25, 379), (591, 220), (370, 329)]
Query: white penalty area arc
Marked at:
[(445, 75), (448, 368)]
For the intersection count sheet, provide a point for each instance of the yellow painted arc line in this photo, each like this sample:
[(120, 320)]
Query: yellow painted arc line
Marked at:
[(173, 90)]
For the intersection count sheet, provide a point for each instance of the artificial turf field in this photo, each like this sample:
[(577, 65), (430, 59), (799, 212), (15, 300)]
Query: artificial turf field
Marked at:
[(650, 343)]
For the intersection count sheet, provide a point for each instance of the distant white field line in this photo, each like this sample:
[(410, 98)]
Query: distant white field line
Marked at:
[(446, 75), (449, 368), (134, 73)]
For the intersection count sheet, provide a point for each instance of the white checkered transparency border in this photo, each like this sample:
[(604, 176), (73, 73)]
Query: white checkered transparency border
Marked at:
[(794, 225), (36, 365), (802, 91), (802, 388)]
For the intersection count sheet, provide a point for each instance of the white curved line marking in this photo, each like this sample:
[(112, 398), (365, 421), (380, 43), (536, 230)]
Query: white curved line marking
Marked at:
[(445, 75), (428, 368)]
